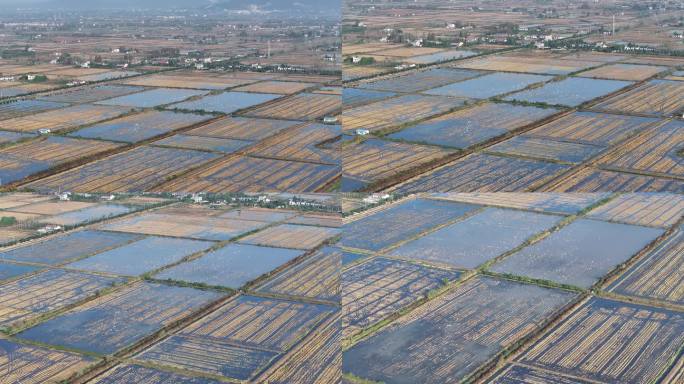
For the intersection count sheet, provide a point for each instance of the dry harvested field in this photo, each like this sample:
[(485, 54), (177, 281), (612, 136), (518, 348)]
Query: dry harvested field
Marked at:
[(64, 119), (85, 277), (182, 80), (303, 106), (475, 310), (419, 81), (274, 86), (654, 98), (540, 65), (302, 143), (90, 94), (598, 180), (630, 72)]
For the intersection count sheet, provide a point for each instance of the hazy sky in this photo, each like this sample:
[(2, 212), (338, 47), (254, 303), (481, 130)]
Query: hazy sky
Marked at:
[(233, 4)]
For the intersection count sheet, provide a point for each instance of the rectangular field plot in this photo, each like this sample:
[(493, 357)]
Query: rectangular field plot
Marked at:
[(135, 170), (318, 277), (251, 174), (277, 87), (27, 298), (227, 102), (139, 127), (303, 106), (131, 373), (13, 137), (519, 374), (593, 128), (487, 86), (65, 118), (242, 128), (629, 72), (579, 254), (612, 342), (374, 160), (28, 364), (654, 98), (57, 250), (547, 149), (181, 81), (658, 275), (141, 256), (20, 108), (474, 125), (541, 65), (572, 91), (52, 206), (649, 209), (380, 287), (400, 222), (534, 201), (259, 214), (478, 238), (291, 236), (657, 151), (356, 96), (201, 143), (153, 97), (420, 81), (447, 339), (397, 111), (439, 57), (121, 318), (301, 143), (240, 338), (593, 180), (179, 225), (11, 271), (90, 94), (485, 173), (231, 266), (321, 220), (33, 156), (88, 214)]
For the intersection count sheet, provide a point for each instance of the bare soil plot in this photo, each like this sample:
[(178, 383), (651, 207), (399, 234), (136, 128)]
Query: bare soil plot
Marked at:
[(242, 128), (654, 98), (631, 72), (231, 266), (593, 128), (323, 220), (540, 65), (571, 91), (303, 143), (139, 127), (180, 81), (136, 170), (469, 126), (28, 364), (27, 298), (291, 236), (240, 338), (227, 102), (562, 203), (132, 373), (317, 277), (485, 173), (201, 143), (489, 85), (52, 207), (30, 157), (251, 174), (520, 374), (450, 337), (547, 149), (119, 319), (404, 52), (580, 253), (90, 94), (348, 49), (400, 222), (259, 214), (352, 97), (478, 238), (373, 160), (611, 341), (65, 118), (594, 180), (184, 225), (17, 199), (658, 275), (74, 245), (649, 209), (657, 151), (380, 287), (141, 256), (420, 81), (302, 106), (353, 72), (394, 112)]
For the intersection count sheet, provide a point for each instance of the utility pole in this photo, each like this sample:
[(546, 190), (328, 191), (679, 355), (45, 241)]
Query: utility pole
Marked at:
[(613, 33)]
